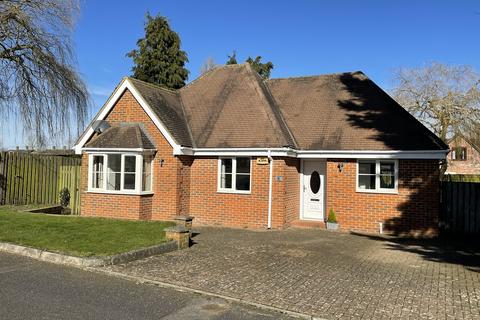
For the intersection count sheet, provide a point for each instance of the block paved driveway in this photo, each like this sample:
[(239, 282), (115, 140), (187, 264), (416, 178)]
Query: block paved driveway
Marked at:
[(324, 274)]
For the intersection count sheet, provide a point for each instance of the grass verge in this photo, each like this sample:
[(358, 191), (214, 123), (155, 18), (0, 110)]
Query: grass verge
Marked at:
[(78, 236)]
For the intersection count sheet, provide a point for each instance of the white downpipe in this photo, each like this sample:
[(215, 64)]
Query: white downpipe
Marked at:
[(270, 187)]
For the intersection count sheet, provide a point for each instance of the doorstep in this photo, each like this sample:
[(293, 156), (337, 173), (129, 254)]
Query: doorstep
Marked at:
[(308, 224)]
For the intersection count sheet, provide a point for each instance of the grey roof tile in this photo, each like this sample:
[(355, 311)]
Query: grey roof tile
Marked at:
[(122, 136)]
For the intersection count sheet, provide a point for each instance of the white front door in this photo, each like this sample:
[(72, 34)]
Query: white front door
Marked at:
[(313, 189)]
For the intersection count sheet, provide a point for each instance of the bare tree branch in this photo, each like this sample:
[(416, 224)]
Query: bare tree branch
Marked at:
[(37, 80), (207, 65), (445, 98)]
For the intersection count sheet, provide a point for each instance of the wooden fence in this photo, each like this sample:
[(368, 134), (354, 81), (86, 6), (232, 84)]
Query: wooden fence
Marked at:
[(29, 178), (460, 207)]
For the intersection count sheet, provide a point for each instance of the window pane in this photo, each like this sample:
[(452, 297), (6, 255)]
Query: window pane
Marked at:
[(226, 181), (97, 172), (113, 181), (243, 165), (97, 163), (366, 167), (147, 173), (130, 163), (366, 182), (387, 168), (387, 181), (226, 166), (114, 162), (242, 182), (98, 180), (129, 181)]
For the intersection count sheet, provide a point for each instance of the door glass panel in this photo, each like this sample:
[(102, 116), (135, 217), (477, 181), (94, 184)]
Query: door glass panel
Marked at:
[(315, 182)]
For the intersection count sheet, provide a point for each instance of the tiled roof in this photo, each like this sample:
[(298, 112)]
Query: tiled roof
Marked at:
[(348, 111), (123, 136), (231, 106)]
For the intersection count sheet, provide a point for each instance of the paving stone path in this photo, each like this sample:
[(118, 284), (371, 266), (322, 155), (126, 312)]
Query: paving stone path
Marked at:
[(324, 274)]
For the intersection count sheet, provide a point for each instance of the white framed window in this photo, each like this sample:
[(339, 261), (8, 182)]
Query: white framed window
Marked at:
[(127, 173), (459, 153), (234, 174), (379, 176), (97, 172)]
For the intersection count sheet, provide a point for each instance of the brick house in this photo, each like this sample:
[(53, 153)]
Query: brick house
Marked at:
[(464, 157), (232, 149)]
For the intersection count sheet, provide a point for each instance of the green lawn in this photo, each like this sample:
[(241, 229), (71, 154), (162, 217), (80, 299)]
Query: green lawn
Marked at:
[(78, 236)]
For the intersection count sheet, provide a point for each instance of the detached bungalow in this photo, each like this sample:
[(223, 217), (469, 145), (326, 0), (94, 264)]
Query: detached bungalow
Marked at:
[(232, 149)]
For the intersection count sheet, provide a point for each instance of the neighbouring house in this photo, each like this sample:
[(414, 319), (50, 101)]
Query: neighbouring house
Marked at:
[(464, 157), (232, 149)]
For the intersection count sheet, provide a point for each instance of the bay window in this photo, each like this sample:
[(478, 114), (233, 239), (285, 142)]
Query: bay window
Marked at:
[(377, 176), (234, 175), (120, 173)]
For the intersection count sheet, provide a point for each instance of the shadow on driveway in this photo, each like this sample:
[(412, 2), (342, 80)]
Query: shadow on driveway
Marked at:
[(447, 249)]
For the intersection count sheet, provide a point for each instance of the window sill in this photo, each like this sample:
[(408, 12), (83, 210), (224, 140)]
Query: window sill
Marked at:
[(377, 191), (124, 193), (234, 192)]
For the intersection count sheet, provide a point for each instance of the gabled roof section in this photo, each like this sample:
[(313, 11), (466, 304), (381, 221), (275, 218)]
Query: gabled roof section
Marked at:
[(458, 136), (167, 106), (348, 111), (127, 136), (229, 107)]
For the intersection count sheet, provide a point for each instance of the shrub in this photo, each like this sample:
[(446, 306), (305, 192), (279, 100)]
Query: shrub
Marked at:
[(64, 197), (332, 217)]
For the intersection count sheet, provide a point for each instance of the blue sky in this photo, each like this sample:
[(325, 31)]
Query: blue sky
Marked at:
[(299, 37)]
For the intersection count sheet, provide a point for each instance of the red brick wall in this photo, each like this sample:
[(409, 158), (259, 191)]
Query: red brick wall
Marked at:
[(184, 190), (209, 206), (166, 200), (292, 189), (414, 210)]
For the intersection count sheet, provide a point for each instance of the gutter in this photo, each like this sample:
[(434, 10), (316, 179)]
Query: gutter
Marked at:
[(313, 154), (270, 187)]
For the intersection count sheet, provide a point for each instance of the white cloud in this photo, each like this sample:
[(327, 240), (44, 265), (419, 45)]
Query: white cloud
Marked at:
[(100, 91)]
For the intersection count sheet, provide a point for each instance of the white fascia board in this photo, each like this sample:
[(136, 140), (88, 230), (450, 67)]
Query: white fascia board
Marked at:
[(107, 107), (349, 154), (247, 152), (314, 154), (116, 150)]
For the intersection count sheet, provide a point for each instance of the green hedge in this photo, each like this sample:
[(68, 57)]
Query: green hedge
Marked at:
[(462, 177)]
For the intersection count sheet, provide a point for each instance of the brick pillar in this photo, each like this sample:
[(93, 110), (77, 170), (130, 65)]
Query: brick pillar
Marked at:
[(180, 235), (186, 222)]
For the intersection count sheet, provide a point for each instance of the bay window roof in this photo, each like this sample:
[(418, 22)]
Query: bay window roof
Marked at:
[(125, 136)]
